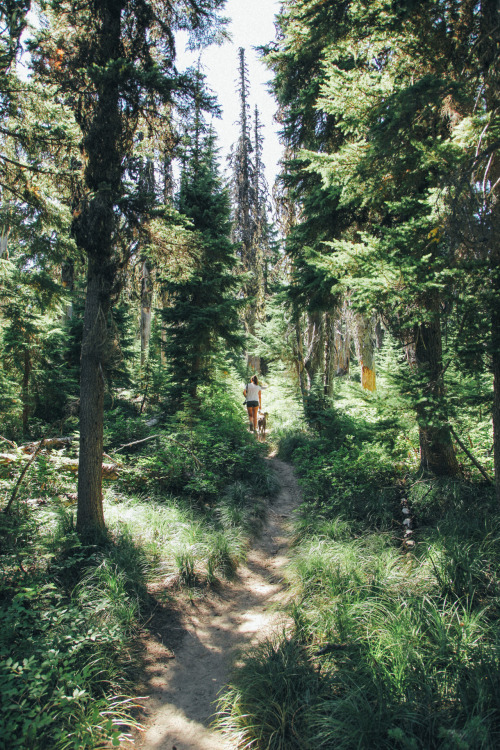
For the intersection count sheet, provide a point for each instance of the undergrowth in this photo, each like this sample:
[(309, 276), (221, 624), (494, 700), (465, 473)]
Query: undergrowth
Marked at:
[(182, 510), (392, 645)]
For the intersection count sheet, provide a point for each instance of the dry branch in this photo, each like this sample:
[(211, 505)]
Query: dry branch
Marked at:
[(166, 437), (469, 454), (12, 445), (136, 442), (23, 473)]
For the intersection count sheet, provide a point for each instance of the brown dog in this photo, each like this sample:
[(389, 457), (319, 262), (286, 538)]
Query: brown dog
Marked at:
[(262, 423)]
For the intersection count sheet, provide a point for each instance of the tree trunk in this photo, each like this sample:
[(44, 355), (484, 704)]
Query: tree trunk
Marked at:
[(299, 356), (4, 242), (313, 362), (489, 60), (27, 367), (365, 351), (495, 356), (68, 282), (329, 354), (342, 342), (95, 227), (379, 334), (146, 296), (90, 517), (437, 454)]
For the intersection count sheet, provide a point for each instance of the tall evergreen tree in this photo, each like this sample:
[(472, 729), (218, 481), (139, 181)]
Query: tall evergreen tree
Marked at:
[(243, 197), (202, 316), (112, 60), (374, 130)]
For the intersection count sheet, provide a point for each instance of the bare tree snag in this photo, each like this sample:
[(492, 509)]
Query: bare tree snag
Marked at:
[(365, 351)]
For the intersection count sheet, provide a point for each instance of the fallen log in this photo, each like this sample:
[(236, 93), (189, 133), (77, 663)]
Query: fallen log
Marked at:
[(49, 444), (109, 470)]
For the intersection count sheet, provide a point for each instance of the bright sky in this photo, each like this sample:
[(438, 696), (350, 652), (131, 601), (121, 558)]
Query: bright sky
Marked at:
[(252, 24)]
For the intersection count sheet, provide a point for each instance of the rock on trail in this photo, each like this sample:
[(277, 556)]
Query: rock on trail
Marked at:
[(191, 648)]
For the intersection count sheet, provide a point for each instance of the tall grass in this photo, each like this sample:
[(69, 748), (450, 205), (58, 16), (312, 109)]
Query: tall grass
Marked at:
[(182, 512), (389, 648)]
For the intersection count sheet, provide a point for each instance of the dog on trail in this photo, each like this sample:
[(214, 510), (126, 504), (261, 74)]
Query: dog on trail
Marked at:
[(262, 424)]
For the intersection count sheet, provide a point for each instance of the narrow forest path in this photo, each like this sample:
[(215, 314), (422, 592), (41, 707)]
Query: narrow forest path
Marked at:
[(190, 648)]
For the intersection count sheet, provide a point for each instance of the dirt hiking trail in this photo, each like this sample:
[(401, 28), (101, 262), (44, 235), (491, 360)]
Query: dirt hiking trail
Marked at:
[(191, 648)]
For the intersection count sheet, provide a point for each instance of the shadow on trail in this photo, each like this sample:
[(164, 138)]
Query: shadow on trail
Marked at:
[(191, 655), (194, 644)]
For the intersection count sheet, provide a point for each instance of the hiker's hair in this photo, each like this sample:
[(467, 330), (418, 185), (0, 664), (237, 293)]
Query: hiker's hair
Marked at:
[(254, 379)]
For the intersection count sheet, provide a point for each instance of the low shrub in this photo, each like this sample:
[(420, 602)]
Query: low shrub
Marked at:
[(66, 652)]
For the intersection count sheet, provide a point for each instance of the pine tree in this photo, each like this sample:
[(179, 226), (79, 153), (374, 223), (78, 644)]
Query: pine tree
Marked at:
[(244, 184), (113, 60), (369, 107), (202, 315)]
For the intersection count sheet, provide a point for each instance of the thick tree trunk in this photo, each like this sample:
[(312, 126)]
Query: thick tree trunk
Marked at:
[(90, 518), (437, 454), (95, 228)]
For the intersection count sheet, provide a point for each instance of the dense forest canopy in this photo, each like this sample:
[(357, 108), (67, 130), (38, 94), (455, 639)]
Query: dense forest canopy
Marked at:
[(143, 282)]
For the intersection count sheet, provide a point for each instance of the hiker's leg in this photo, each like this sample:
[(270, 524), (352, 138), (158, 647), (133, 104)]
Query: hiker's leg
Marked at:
[(255, 412), (250, 416)]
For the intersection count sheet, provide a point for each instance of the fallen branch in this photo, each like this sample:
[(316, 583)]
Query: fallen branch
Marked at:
[(62, 463), (469, 454), (23, 474), (166, 437), (12, 445), (136, 442)]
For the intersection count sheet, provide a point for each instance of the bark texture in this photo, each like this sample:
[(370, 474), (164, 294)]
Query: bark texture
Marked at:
[(95, 233), (437, 454), (146, 297)]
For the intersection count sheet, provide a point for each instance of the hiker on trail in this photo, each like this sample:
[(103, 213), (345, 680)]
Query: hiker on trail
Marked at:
[(252, 393)]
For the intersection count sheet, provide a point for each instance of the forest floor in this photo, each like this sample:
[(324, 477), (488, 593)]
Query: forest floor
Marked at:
[(192, 642)]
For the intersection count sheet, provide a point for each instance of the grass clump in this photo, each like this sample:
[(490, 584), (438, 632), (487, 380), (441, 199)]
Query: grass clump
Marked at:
[(397, 647), (269, 701)]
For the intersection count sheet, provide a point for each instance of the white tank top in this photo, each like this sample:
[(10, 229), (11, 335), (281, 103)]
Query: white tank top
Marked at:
[(253, 392)]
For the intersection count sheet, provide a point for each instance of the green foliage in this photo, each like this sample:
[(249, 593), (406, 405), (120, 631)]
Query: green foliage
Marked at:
[(390, 648), (202, 317), (271, 698), (66, 650), (70, 614), (198, 455)]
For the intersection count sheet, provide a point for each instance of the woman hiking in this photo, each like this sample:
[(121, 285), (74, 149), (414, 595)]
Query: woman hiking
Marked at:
[(252, 393)]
